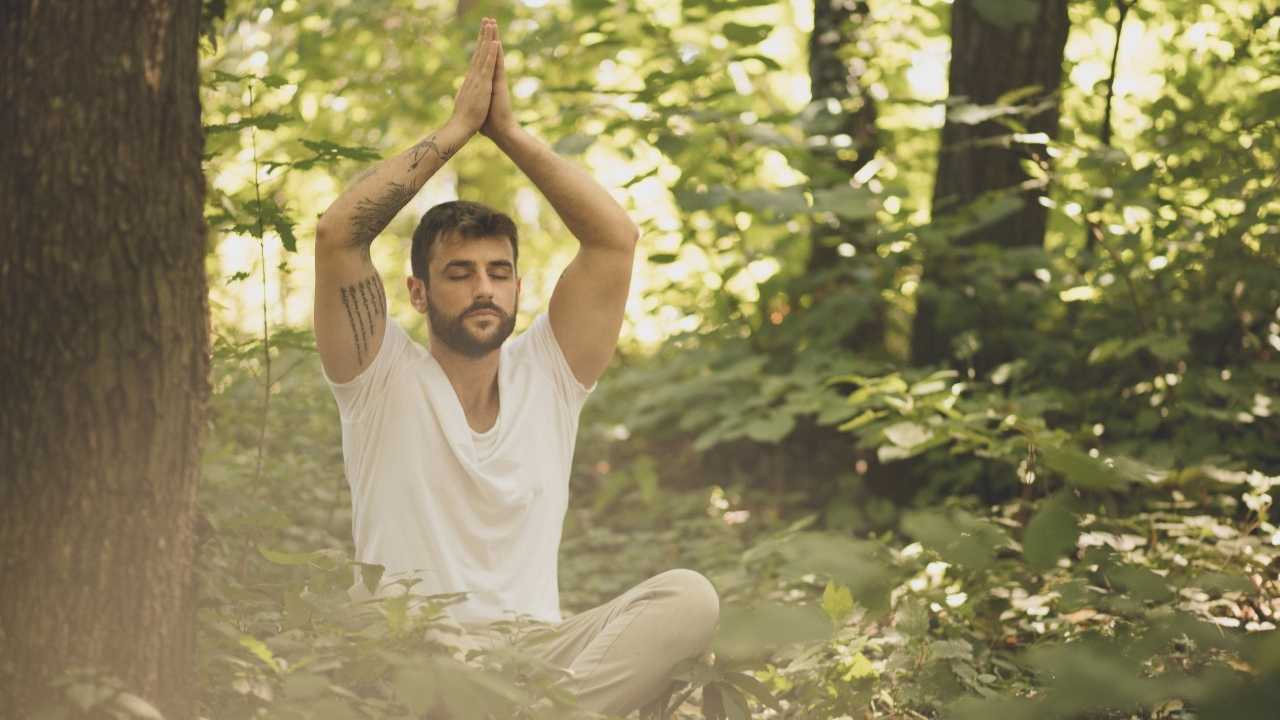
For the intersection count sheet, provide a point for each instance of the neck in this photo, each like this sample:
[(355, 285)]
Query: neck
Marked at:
[(474, 380)]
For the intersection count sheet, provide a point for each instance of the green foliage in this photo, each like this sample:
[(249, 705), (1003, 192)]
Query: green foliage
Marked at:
[(1086, 531)]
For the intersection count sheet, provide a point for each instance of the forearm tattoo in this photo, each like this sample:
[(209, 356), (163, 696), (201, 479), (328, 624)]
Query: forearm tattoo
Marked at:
[(364, 302), (372, 214), (427, 147)]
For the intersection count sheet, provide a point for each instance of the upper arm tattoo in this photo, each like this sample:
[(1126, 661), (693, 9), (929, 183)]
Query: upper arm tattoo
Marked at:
[(372, 214), (364, 301)]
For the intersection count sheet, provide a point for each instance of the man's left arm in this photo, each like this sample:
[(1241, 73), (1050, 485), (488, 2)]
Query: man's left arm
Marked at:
[(588, 302)]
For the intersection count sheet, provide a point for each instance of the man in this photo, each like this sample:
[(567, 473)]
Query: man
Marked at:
[(458, 456)]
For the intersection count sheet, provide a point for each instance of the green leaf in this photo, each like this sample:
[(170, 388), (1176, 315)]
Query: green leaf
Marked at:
[(663, 258), (907, 434), (222, 76), (912, 617), (837, 602), (260, 650), (864, 418), (860, 668), (1170, 347), (958, 537), (846, 201), (691, 199), (771, 428), (1138, 582), (744, 35), (862, 566), (1218, 583), (951, 650), (768, 62), (1113, 347), (735, 705), (329, 153), (1080, 470), (1049, 534), (283, 226), (266, 121), (753, 687)]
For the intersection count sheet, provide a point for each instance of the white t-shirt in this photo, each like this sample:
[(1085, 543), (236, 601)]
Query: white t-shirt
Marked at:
[(457, 510)]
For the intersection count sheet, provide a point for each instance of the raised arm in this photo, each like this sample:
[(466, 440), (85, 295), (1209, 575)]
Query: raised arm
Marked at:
[(589, 299), (350, 303)]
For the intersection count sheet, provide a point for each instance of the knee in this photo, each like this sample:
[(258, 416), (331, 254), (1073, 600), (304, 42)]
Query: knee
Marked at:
[(695, 597)]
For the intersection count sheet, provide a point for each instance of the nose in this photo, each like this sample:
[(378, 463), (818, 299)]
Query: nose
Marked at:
[(484, 287)]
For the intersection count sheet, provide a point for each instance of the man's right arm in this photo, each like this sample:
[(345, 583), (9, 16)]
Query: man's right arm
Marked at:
[(350, 303), (350, 312)]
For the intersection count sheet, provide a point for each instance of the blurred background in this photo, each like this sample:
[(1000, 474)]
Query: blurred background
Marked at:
[(979, 299)]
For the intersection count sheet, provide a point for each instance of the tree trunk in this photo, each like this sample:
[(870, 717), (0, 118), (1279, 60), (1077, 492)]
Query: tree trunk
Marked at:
[(989, 60), (842, 106), (105, 369)]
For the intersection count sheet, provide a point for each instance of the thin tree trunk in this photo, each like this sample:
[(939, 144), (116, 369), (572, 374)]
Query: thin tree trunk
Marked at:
[(838, 83), (104, 375), (988, 61)]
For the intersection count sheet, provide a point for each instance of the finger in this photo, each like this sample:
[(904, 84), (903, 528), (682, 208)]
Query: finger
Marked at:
[(499, 72), (490, 59), (478, 52)]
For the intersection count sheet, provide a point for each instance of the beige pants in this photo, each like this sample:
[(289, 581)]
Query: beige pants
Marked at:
[(619, 655)]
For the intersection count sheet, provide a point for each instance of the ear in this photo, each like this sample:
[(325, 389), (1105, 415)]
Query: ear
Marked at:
[(417, 293)]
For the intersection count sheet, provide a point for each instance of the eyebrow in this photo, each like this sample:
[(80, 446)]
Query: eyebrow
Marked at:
[(470, 265)]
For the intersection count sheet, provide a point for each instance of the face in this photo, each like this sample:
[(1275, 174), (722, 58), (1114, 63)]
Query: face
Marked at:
[(472, 298)]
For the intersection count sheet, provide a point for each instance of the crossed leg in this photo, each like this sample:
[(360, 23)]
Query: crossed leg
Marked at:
[(619, 654)]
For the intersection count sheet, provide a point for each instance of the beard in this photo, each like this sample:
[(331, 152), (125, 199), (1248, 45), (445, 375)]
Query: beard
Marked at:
[(453, 332)]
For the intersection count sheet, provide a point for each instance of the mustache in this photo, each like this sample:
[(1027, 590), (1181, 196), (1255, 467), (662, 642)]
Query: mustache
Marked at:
[(484, 306)]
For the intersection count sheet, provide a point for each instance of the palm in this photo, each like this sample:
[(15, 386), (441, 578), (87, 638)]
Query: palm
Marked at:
[(471, 106), (500, 117)]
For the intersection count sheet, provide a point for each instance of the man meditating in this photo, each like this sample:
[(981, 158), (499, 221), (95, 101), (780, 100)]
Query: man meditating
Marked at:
[(458, 455)]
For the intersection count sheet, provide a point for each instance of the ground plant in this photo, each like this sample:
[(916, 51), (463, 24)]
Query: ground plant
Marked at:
[(1004, 451)]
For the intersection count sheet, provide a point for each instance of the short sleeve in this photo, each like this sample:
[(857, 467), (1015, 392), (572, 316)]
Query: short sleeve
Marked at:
[(546, 351), (360, 392)]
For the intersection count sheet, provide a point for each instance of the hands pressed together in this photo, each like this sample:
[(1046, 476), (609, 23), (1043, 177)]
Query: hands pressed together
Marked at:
[(483, 104)]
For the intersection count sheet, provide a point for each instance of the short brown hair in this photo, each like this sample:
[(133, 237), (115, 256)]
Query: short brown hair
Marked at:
[(468, 219)]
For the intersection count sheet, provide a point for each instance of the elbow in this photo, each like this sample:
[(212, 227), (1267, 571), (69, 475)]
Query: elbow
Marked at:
[(327, 235), (630, 236)]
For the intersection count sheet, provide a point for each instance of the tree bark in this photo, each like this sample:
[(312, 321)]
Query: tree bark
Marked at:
[(834, 80), (987, 61), (105, 369)]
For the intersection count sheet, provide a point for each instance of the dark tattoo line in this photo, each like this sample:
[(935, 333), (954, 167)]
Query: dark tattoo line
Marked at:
[(364, 301), (382, 299), (355, 332), (420, 151), (371, 215)]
